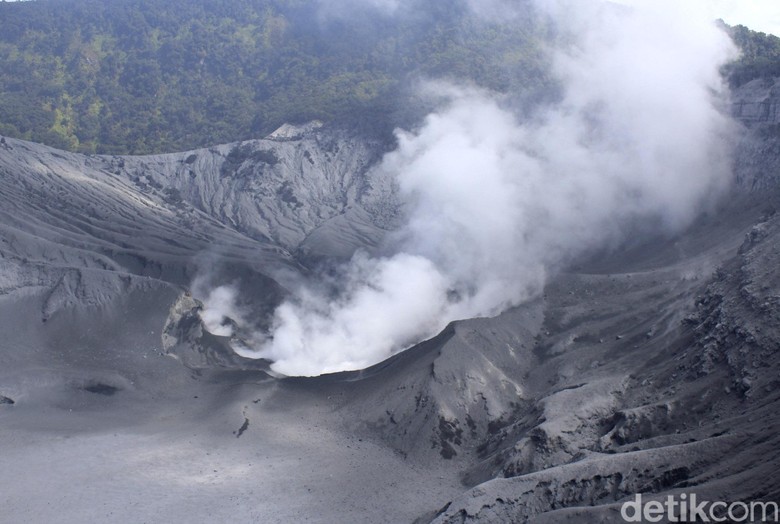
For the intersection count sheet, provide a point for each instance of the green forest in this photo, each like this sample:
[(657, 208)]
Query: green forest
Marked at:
[(146, 76)]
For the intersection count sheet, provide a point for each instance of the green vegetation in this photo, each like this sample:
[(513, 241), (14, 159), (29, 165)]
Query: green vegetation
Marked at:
[(143, 76), (760, 56)]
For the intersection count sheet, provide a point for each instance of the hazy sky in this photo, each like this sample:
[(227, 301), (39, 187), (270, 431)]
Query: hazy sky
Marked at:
[(759, 15)]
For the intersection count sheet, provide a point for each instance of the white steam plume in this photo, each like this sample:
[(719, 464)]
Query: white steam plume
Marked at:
[(495, 204), (220, 310)]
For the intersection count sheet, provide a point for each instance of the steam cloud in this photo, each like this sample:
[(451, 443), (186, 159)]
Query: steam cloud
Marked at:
[(220, 310), (496, 204)]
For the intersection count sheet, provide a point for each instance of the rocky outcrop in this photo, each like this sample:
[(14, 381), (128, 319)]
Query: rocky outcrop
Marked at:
[(185, 338), (756, 102), (757, 155), (737, 321)]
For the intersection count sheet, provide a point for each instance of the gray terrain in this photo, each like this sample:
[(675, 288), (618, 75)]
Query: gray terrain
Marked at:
[(653, 368)]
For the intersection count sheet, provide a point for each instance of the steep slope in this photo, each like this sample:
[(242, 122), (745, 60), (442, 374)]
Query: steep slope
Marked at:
[(261, 196), (757, 161), (656, 381), (235, 212)]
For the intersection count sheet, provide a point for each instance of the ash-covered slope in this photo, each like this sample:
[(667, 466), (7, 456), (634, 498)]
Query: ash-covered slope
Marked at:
[(650, 369), (657, 379), (81, 234), (114, 399), (261, 200), (80, 229)]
